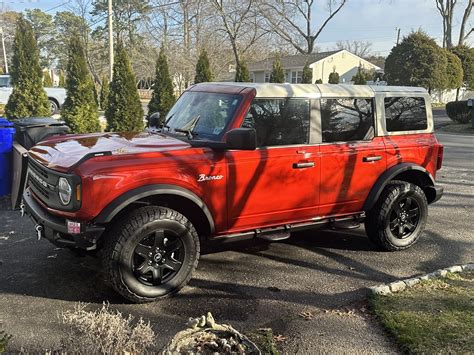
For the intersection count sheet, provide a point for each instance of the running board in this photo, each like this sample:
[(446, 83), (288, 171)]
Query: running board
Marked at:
[(283, 232)]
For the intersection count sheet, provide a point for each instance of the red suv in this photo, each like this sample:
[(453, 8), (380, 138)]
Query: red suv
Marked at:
[(234, 161)]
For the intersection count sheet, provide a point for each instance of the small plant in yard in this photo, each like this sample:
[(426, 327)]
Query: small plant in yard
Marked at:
[(278, 73), (203, 69), (4, 338), (333, 78), (435, 316), (105, 331), (242, 74)]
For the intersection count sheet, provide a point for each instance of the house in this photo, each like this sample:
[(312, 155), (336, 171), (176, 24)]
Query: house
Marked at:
[(342, 61)]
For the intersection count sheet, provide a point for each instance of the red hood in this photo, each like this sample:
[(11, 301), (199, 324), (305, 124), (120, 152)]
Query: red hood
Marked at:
[(62, 152)]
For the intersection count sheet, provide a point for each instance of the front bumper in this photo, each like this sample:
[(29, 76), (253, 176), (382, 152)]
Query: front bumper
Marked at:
[(55, 228)]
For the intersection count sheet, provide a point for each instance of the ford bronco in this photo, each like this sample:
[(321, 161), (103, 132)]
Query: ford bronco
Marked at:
[(234, 161)]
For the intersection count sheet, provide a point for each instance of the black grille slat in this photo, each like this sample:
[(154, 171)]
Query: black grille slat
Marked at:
[(40, 188), (38, 170)]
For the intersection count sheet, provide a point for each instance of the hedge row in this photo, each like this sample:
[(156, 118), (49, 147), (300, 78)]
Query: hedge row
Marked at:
[(458, 111)]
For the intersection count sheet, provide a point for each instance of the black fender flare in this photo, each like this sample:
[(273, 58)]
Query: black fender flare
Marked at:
[(117, 205), (387, 176)]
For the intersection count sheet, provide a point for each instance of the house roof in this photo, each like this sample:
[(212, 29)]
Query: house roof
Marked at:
[(290, 61)]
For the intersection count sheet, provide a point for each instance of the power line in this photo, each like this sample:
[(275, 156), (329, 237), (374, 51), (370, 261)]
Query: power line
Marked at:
[(58, 6)]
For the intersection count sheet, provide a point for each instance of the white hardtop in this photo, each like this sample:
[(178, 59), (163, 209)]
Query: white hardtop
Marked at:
[(272, 90)]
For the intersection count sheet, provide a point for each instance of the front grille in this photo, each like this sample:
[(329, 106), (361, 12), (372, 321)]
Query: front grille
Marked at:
[(38, 169), (40, 176), (39, 188)]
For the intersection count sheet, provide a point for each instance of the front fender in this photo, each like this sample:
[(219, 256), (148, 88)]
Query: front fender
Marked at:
[(117, 205)]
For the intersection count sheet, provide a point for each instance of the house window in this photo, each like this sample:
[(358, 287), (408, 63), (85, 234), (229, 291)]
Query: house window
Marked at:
[(267, 77), (296, 77)]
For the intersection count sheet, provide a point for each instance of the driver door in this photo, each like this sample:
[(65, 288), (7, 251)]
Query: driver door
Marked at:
[(278, 182)]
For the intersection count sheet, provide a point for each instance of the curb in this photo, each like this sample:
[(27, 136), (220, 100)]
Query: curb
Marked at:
[(400, 285)]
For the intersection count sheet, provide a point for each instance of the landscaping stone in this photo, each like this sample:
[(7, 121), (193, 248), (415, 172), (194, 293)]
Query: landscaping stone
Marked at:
[(380, 290), (397, 286), (468, 267), (454, 269), (412, 282)]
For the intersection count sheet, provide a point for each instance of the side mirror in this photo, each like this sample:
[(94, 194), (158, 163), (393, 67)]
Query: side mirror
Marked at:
[(241, 139)]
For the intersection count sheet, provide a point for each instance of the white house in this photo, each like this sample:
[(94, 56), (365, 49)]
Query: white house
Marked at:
[(342, 61)]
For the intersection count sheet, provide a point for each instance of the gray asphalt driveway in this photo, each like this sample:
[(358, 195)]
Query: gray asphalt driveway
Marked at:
[(250, 285)]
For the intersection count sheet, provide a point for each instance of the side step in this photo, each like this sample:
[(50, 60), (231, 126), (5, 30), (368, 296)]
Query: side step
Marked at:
[(274, 237), (345, 225)]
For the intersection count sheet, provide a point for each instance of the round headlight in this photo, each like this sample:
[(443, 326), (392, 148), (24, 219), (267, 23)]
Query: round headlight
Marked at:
[(65, 191)]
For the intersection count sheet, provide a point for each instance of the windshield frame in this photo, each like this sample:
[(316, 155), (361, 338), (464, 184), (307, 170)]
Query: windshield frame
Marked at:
[(197, 135)]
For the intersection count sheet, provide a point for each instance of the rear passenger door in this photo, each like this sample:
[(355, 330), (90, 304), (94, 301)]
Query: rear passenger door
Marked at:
[(278, 182), (352, 156)]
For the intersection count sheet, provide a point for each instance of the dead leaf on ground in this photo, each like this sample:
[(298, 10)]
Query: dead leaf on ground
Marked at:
[(306, 315), (279, 338)]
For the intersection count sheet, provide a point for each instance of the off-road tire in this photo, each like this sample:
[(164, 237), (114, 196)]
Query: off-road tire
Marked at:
[(378, 218), (119, 247)]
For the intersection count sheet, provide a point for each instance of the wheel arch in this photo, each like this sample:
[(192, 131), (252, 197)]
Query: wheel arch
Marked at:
[(180, 199), (408, 172)]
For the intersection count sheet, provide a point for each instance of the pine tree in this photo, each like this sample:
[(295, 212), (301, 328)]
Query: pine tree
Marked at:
[(333, 78), (162, 98), (47, 80), (454, 71), (307, 77), (242, 74), (28, 97), (203, 69), (79, 110), (104, 93), (62, 79), (359, 78), (124, 111), (278, 74)]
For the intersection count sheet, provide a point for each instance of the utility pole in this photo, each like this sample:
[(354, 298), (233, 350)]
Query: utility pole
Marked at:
[(398, 34), (4, 51), (111, 42)]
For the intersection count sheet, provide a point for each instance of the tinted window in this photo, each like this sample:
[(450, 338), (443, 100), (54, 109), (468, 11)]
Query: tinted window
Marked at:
[(279, 121), (347, 119), (405, 114)]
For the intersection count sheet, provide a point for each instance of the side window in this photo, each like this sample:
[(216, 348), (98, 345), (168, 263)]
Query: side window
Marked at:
[(279, 121), (347, 120), (405, 114)]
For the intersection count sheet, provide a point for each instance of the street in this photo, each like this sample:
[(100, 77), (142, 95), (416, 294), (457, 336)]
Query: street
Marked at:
[(249, 285)]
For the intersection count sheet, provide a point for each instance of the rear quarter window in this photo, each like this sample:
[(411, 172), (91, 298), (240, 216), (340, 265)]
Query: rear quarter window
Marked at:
[(405, 114)]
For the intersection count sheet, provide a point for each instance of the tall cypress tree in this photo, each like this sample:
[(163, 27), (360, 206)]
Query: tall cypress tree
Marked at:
[(307, 77), (62, 79), (203, 69), (79, 111), (47, 80), (162, 98), (28, 97), (242, 74), (104, 93), (124, 111), (278, 74)]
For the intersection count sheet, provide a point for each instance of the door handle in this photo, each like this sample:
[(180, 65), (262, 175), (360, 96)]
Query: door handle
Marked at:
[(309, 164), (370, 159)]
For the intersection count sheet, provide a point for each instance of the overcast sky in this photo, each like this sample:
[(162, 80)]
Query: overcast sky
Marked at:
[(368, 20)]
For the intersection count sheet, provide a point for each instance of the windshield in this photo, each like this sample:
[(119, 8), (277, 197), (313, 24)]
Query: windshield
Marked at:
[(205, 115)]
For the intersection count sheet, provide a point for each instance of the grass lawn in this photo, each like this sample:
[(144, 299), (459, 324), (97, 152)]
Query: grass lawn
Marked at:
[(435, 316)]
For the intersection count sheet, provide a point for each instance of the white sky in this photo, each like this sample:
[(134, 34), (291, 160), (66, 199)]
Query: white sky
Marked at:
[(369, 20)]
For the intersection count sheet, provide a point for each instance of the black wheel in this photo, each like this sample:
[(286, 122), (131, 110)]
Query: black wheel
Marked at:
[(54, 107), (399, 216), (151, 254)]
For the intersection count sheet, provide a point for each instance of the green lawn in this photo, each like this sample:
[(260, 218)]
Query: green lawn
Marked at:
[(435, 316), (462, 128)]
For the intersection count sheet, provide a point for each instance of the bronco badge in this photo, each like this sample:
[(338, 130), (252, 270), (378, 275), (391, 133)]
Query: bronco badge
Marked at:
[(204, 177)]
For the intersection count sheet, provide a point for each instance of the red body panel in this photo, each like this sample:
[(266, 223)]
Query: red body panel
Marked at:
[(258, 188)]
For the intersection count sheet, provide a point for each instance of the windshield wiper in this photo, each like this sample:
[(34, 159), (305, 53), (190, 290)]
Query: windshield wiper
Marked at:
[(189, 131)]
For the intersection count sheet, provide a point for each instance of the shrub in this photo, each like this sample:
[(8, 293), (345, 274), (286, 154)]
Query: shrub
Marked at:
[(4, 338), (162, 98), (203, 69), (79, 110), (124, 111), (318, 81), (47, 80), (278, 73), (307, 77), (242, 74), (333, 78), (28, 97), (105, 332), (458, 111)]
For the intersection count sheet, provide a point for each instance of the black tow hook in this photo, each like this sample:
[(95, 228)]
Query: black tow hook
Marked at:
[(39, 231)]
